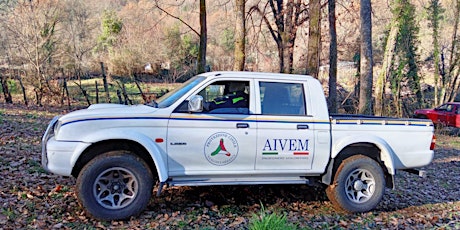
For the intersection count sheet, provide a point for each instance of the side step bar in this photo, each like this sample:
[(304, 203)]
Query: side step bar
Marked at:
[(200, 181), (206, 182)]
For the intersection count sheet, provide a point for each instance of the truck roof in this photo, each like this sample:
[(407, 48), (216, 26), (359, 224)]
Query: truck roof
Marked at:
[(246, 75)]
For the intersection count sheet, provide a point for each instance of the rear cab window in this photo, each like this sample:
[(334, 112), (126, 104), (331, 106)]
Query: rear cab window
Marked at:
[(281, 98)]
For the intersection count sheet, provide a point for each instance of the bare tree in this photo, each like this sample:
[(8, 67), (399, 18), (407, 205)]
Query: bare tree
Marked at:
[(451, 67), (332, 99), (203, 38), (365, 95), (287, 19), (240, 35), (202, 34), (79, 39), (314, 39), (34, 24)]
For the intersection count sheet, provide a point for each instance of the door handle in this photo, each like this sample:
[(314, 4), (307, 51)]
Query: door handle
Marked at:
[(242, 125), (302, 127)]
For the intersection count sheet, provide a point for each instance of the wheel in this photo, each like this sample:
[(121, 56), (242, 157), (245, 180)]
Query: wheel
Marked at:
[(358, 185), (115, 185)]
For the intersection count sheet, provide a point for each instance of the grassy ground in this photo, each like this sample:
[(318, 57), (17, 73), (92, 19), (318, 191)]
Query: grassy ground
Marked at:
[(32, 198)]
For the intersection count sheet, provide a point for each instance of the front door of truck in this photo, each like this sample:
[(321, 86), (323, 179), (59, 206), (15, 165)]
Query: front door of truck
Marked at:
[(285, 134), (220, 138)]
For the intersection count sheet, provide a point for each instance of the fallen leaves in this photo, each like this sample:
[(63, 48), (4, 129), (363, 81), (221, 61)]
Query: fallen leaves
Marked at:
[(32, 198)]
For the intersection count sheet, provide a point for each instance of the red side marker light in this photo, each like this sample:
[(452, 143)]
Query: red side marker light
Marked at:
[(159, 140)]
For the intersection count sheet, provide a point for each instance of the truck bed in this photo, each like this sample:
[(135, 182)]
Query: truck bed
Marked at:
[(377, 120)]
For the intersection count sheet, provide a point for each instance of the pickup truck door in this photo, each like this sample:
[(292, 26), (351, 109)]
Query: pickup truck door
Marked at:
[(450, 115), (441, 114), (215, 141), (285, 134)]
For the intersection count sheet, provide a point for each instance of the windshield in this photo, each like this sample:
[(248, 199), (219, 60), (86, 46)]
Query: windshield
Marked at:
[(171, 97)]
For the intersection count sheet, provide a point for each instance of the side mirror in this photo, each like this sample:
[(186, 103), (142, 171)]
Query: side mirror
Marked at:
[(195, 104)]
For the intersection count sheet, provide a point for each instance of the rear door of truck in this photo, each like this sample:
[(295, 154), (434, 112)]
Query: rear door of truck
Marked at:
[(285, 134)]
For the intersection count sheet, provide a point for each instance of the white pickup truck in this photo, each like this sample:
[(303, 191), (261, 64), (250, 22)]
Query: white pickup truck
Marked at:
[(231, 128)]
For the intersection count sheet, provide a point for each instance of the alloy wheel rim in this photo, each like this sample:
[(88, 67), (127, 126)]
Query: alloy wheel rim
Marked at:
[(360, 186), (115, 188)]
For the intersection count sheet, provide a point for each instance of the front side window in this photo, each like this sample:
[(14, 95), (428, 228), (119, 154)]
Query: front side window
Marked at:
[(442, 108), (226, 97), (282, 98)]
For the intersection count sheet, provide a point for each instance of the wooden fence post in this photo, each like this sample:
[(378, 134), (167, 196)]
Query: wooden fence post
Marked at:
[(119, 96), (23, 90), (67, 93), (144, 97), (106, 86), (97, 93)]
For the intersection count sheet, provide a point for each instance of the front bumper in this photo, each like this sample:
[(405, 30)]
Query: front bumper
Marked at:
[(59, 157), (49, 133)]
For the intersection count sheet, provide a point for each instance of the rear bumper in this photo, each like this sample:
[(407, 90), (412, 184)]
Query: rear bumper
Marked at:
[(410, 160)]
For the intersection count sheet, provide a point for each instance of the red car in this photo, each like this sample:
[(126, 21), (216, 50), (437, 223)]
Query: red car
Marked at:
[(447, 114)]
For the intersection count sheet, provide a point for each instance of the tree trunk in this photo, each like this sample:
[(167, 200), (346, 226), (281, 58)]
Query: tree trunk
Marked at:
[(454, 59), (288, 36), (240, 35), (203, 38), (6, 90), (365, 95), (314, 39), (386, 68), (332, 99)]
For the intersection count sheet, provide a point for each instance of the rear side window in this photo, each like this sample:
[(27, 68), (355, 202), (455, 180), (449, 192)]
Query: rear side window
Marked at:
[(282, 98)]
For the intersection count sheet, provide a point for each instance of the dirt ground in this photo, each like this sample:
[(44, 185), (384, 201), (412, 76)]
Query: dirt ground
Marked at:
[(30, 198)]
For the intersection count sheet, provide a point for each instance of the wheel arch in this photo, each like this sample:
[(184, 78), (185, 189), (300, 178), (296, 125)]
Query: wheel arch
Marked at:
[(376, 149), (146, 151)]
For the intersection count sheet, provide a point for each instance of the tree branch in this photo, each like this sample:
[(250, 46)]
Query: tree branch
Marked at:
[(175, 17), (265, 19)]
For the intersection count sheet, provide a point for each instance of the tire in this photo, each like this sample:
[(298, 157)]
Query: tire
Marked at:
[(358, 185), (114, 186)]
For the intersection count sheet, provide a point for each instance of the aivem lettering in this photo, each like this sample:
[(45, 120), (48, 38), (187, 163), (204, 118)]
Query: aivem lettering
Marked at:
[(286, 145)]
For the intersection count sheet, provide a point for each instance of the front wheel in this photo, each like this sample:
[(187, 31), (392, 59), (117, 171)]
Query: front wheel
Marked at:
[(115, 185), (358, 185)]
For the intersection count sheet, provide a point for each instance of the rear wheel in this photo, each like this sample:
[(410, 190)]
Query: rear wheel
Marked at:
[(114, 185), (358, 185)]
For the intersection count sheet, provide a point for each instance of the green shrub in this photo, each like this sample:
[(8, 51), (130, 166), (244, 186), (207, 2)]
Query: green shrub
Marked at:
[(265, 220)]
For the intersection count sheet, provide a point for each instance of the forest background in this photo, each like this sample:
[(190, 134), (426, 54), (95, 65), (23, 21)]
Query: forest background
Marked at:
[(408, 51)]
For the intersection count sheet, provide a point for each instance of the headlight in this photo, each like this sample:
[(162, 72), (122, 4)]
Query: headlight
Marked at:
[(57, 126)]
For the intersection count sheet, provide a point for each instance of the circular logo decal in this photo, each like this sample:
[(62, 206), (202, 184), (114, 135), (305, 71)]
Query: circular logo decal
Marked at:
[(221, 149)]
